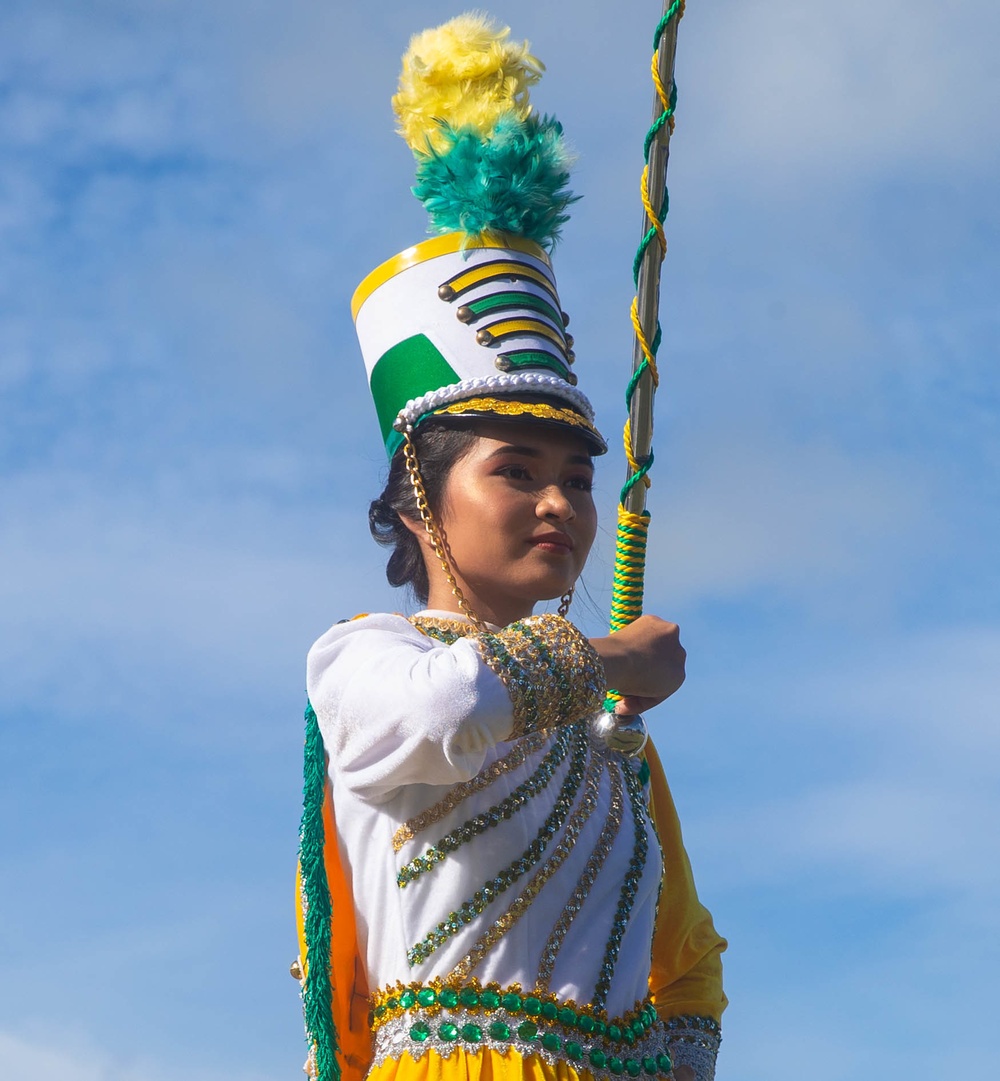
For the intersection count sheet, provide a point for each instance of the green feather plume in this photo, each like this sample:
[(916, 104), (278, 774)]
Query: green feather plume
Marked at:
[(514, 181)]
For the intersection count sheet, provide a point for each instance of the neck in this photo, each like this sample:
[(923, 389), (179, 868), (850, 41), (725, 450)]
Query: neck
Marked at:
[(500, 613)]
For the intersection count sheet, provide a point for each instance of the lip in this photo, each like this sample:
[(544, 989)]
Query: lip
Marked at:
[(553, 542)]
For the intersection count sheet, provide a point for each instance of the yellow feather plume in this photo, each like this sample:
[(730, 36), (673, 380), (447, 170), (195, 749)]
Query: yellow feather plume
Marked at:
[(465, 73)]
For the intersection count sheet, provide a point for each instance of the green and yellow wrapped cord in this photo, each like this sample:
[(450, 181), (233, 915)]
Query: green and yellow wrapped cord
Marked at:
[(630, 563), (633, 518)]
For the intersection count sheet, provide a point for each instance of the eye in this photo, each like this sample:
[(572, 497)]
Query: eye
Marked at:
[(582, 483), (515, 471)]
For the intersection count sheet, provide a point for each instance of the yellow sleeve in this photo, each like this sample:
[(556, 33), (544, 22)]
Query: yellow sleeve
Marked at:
[(686, 974)]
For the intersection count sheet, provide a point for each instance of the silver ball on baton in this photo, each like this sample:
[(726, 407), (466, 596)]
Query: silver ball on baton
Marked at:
[(626, 735)]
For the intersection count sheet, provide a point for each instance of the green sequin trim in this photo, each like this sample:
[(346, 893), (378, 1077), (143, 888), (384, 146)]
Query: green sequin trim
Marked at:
[(513, 872), (629, 889), (493, 816)]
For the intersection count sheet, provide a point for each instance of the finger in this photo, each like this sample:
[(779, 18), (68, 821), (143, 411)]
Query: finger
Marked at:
[(632, 704)]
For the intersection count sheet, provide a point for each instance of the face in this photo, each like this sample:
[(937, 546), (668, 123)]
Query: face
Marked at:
[(519, 517)]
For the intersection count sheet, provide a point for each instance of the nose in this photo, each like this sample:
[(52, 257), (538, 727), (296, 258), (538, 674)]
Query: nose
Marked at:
[(555, 505)]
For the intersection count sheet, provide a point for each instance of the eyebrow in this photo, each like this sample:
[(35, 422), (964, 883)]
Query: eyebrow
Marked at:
[(534, 452)]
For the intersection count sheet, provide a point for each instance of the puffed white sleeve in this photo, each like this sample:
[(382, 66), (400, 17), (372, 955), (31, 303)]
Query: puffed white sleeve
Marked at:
[(397, 707)]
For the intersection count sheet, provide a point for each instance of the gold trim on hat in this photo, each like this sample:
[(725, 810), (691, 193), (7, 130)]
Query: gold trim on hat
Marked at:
[(496, 270), (509, 328), (512, 408), (448, 244)]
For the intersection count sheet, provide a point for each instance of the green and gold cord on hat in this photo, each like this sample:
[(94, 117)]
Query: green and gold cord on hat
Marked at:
[(469, 322)]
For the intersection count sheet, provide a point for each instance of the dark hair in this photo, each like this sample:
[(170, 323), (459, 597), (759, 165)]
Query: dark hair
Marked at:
[(439, 447)]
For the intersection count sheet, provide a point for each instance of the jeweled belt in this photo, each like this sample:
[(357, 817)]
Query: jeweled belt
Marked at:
[(417, 1019)]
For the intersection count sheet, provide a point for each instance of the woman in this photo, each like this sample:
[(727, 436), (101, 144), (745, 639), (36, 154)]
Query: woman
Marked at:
[(482, 890)]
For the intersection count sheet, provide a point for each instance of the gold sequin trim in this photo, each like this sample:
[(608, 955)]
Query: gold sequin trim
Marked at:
[(508, 407), (591, 788), (601, 850), (461, 792), (552, 673), (446, 631)]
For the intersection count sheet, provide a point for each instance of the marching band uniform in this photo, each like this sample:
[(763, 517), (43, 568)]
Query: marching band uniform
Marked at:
[(486, 890)]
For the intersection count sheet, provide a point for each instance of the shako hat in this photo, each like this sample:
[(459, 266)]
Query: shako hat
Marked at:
[(469, 323)]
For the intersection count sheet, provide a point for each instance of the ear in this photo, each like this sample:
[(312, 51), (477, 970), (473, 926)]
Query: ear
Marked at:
[(415, 526), (419, 530)]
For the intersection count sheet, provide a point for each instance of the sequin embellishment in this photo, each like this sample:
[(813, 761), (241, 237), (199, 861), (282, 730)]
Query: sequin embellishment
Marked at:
[(499, 812), (461, 792), (587, 879), (513, 872), (446, 631), (630, 887), (694, 1041), (448, 1017), (552, 673), (591, 788)]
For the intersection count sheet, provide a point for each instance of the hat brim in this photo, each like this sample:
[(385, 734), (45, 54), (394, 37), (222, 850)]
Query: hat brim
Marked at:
[(515, 409)]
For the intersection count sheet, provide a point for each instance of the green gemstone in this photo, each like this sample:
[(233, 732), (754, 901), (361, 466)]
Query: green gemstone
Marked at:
[(573, 1050), (532, 1006), (408, 999), (550, 1011), (614, 1033), (632, 1067), (567, 1017), (597, 1058), (616, 1066), (551, 1042), (585, 1023), (499, 1031), (512, 1003), (665, 1063), (628, 1036), (392, 1003), (420, 1031), (489, 1000), (527, 1030), (600, 1028), (379, 1011), (468, 996), (448, 998), (638, 1028), (448, 1031), (472, 1034), (427, 996), (649, 1064)]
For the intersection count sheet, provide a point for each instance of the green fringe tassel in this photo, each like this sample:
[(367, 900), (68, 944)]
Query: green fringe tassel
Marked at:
[(316, 999)]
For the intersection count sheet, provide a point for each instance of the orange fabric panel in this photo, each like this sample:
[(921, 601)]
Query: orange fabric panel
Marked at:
[(348, 983)]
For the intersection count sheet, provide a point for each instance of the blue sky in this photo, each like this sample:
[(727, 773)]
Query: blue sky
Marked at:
[(188, 195)]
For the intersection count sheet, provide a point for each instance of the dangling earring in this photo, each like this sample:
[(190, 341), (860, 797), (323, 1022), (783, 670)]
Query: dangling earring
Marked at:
[(565, 601)]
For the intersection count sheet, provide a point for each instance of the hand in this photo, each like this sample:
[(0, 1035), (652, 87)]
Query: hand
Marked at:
[(644, 662)]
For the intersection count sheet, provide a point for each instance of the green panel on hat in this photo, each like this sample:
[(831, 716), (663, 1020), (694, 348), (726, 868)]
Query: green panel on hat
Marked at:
[(408, 370)]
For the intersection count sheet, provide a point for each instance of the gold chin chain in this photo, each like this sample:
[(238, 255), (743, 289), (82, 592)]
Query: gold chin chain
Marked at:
[(439, 542), (565, 601)]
